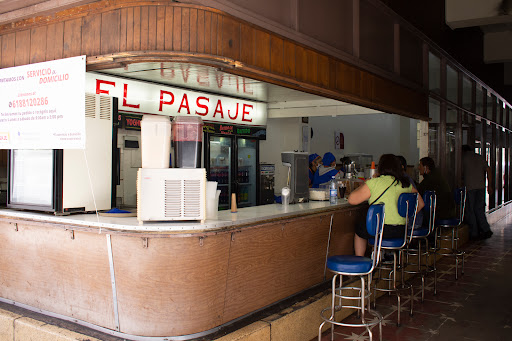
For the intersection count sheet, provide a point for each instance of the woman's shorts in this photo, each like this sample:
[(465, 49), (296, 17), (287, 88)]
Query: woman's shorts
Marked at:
[(390, 231)]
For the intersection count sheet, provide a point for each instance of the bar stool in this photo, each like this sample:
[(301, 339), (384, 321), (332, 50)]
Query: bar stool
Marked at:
[(452, 225), (420, 235), (348, 265), (407, 206)]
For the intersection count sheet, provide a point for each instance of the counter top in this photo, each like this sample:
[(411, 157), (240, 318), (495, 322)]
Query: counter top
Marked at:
[(225, 219)]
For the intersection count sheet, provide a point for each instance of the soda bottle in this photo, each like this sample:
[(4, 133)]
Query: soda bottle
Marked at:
[(333, 191)]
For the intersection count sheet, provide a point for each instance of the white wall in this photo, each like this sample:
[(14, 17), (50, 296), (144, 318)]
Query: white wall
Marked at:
[(374, 134), (283, 134)]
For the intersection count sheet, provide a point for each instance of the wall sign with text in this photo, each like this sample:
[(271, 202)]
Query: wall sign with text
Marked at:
[(42, 105), (140, 97)]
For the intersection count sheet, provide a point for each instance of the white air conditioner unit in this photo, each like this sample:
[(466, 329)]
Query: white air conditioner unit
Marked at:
[(171, 194)]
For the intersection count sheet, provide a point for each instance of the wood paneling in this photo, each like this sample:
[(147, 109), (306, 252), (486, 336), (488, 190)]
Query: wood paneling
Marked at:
[(230, 46), (172, 286), (110, 32), (287, 258), (176, 32), (160, 28), (8, 49), (45, 267), (200, 31), (213, 34), (22, 48), (262, 53), (54, 41), (169, 26), (152, 30), (120, 27), (137, 29), (289, 58), (91, 30), (276, 54), (144, 28), (193, 29), (301, 66), (38, 38), (207, 32), (185, 29), (123, 29)]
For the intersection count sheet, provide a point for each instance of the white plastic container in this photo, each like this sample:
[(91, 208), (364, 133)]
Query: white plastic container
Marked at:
[(156, 141)]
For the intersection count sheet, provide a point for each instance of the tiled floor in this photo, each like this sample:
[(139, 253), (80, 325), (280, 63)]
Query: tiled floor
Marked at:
[(477, 306)]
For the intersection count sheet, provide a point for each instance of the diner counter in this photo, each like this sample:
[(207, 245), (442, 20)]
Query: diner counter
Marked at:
[(169, 280), (225, 220)]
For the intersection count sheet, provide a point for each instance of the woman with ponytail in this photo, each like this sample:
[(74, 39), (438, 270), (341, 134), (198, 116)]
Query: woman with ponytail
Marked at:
[(385, 188)]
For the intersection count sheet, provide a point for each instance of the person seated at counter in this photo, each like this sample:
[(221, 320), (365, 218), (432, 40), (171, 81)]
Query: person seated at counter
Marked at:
[(315, 160), (385, 188), (326, 171), (433, 180), (419, 215)]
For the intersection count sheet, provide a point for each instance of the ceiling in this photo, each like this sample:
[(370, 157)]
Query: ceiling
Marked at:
[(494, 17), (282, 102)]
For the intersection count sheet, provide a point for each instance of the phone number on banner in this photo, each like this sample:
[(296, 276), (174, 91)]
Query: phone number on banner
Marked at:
[(29, 102)]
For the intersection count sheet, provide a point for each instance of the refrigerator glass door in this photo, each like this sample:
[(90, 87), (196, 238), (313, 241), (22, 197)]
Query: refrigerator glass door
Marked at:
[(246, 174), (32, 177), (221, 168)]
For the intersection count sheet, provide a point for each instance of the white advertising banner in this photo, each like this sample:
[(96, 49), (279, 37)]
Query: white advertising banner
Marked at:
[(42, 105), (148, 98)]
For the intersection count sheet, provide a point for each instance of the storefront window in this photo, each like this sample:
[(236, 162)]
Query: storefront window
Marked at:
[(489, 114), (467, 99), (434, 110), (498, 111), (451, 126), (434, 73), (479, 100), (452, 84), (478, 136), (468, 129), (488, 157)]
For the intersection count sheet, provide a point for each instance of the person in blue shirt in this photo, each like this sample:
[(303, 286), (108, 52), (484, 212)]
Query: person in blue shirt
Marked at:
[(326, 171), (314, 161)]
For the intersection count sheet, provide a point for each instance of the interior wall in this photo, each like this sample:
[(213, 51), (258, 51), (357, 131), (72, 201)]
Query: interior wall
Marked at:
[(283, 134), (373, 134)]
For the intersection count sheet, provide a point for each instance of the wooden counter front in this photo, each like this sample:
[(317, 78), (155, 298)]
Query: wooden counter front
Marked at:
[(168, 284)]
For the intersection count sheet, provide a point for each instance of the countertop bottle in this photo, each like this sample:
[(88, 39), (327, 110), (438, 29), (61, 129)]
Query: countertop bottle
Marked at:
[(333, 191)]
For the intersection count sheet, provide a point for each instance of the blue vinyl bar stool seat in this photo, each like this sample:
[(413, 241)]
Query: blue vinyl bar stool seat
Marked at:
[(452, 225), (362, 267), (407, 206), (420, 235)]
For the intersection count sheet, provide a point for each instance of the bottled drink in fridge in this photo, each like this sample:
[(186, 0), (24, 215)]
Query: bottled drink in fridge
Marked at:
[(333, 191)]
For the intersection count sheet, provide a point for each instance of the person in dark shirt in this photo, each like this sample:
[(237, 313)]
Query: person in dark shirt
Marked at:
[(433, 180), (474, 171)]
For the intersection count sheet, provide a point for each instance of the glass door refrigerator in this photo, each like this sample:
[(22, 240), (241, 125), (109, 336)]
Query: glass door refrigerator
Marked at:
[(231, 161)]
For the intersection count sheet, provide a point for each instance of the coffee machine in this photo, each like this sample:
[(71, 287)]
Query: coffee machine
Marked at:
[(297, 178)]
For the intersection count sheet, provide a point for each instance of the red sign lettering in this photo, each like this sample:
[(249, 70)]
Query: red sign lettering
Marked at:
[(202, 106), (125, 103), (218, 109), (98, 86), (184, 100), (162, 102), (244, 112)]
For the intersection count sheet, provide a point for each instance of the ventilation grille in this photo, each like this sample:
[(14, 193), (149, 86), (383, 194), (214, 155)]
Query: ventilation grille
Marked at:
[(192, 198), (105, 105), (98, 107), (172, 198), (90, 106)]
